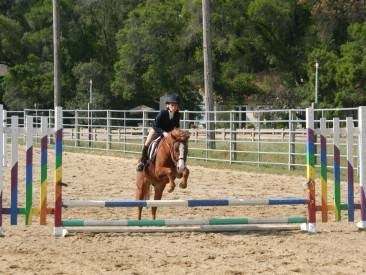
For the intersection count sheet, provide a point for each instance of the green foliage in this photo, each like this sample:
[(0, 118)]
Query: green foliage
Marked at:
[(150, 55), (83, 73), (135, 51), (28, 84), (10, 44)]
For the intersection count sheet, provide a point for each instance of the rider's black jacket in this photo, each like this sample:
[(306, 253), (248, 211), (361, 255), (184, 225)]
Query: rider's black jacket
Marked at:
[(164, 123)]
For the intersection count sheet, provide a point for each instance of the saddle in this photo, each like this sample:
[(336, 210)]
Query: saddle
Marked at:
[(153, 149)]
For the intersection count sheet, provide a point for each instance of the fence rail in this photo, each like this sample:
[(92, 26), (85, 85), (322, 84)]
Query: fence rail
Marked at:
[(259, 137)]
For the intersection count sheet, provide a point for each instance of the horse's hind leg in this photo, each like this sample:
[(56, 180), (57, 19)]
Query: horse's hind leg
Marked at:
[(159, 188), (139, 196), (185, 173)]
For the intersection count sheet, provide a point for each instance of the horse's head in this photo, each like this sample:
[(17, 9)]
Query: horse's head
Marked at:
[(180, 135), (180, 148)]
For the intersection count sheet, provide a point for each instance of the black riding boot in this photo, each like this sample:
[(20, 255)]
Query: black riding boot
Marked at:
[(143, 159)]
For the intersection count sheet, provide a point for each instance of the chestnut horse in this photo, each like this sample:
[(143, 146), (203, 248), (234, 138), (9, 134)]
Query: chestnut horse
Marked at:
[(170, 163)]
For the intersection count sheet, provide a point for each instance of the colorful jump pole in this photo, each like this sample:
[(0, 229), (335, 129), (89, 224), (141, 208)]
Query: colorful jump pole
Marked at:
[(183, 203), (29, 170), (58, 230), (14, 172), (44, 159), (337, 169), (186, 222), (323, 169), (350, 176), (362, 164), (310, 164)]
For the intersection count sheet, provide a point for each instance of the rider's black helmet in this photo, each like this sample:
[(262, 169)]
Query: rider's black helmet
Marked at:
[(172, 99)]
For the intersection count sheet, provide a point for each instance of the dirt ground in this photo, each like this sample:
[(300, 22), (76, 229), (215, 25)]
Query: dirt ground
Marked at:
[(337, 248)]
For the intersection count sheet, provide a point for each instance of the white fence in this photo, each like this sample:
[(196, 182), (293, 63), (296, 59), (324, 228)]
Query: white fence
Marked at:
[(274, 138)]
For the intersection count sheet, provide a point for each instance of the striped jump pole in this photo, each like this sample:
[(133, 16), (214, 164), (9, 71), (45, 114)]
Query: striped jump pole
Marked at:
[(310, 164), (44, 160), (14, 172), (29, 170), (58, 230), (185, 222), (362, 164), (350, 176), (201, 228), (323, 169), (336, 169), (183, 203)]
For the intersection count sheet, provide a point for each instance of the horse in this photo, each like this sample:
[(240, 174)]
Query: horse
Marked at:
[(170, 163)]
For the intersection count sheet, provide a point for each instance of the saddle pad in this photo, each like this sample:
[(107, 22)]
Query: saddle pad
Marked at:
[(151, 152)]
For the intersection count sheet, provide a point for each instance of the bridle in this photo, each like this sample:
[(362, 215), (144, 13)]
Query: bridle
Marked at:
[(172, 151)]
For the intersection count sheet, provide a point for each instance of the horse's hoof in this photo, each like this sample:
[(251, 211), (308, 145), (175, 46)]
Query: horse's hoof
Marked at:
[(183, 185), (171, 188)]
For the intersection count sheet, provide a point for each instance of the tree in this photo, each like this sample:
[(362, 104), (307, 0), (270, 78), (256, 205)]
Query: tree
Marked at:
[(332, 18), (28, 84), (151, 61), (10, 41), (83, 73), (350, 75)]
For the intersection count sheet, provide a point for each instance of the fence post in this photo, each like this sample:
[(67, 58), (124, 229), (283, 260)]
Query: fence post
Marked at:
[(77, 129), (291, 140), (240, 117), (233, 154), (50, 117), (124, 132), (109, 135), (2, 165), (89, 130), (185, 118), (207, 138), (230, 143), (259, 139), (4, 136), (144, 128)]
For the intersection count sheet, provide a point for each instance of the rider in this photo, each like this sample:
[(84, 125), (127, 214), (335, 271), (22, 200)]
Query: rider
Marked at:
[(164, 122)]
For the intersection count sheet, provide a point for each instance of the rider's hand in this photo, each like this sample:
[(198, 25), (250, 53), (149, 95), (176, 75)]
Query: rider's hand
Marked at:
[(165, 134)]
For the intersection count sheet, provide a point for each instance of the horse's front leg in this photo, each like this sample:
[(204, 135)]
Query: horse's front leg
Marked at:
[(142, 191), (185, 173), (168, 172), (159, 188)]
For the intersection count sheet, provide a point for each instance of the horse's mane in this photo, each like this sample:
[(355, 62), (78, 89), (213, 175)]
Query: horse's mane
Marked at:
[(180, 135)]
